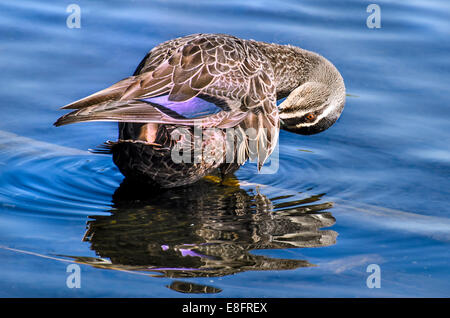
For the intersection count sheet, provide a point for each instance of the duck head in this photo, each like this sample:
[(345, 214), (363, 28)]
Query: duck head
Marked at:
[(315, 105)]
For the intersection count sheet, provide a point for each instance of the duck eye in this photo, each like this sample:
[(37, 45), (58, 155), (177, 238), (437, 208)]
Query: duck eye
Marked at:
[(310, 116)]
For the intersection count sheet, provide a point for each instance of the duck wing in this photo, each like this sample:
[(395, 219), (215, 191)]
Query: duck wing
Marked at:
[(176, 78)]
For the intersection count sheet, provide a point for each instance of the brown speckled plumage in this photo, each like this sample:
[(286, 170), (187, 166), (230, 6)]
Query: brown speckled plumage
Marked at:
[(243, 77)]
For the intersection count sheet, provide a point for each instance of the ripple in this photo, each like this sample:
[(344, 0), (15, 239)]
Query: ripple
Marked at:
[(339, 168), (43, 178)]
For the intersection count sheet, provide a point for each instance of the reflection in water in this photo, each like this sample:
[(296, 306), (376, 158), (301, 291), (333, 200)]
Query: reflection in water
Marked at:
[(191, 288), (204, 230)]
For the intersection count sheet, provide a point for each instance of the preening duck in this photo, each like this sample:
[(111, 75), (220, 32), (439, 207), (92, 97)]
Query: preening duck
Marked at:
[(221, 86)]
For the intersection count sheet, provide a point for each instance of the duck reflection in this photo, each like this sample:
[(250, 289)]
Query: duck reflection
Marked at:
[(204, 230)]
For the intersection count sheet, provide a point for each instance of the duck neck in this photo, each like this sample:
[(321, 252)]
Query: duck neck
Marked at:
[(292, 66)]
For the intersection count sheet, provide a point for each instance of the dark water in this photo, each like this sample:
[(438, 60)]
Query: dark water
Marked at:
[(373, 189)]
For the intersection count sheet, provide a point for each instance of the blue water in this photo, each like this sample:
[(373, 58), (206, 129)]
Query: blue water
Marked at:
[(373, 189)]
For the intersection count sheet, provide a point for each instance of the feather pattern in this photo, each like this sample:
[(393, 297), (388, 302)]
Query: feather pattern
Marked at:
[(218, 66), (208, 80)]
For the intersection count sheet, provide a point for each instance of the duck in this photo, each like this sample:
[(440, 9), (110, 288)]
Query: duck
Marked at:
[(207, 103)]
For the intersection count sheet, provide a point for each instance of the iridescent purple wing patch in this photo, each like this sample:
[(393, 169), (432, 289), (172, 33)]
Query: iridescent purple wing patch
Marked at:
[(193, 108)]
